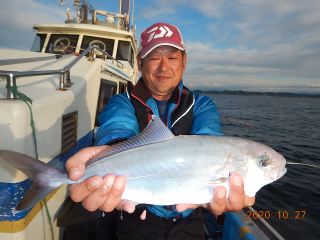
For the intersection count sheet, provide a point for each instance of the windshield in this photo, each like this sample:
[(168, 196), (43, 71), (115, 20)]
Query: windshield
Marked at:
[(38, 42), (125, 52), (103, 43), (62, 43)]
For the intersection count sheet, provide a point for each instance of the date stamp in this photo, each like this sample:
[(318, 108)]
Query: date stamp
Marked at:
[(278, 215)]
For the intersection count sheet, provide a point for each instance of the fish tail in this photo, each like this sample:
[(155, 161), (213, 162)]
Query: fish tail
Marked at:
[(45, 178)]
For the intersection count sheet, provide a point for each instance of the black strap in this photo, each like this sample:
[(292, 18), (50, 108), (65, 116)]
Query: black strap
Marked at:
[(183, 111)]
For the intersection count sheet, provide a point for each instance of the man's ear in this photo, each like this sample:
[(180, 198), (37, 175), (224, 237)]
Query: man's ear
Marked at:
[(139, 62), (184, 61)]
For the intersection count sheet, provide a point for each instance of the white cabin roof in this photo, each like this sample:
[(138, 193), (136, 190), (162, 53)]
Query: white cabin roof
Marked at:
[(79, 28)]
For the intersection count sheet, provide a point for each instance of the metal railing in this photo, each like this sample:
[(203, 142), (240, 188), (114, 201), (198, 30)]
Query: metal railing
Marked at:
[(27, 60), (93, 54), (65, 81)]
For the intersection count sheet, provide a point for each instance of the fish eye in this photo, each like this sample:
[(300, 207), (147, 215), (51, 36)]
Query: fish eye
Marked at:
[(264, 160)]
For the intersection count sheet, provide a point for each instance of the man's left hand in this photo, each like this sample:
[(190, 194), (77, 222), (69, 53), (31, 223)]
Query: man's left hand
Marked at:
[(220, 204)]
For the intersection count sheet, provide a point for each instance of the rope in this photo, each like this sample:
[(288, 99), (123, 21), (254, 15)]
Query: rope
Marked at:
[(27, 100), (305, 164), (49, 217), (240, 122)]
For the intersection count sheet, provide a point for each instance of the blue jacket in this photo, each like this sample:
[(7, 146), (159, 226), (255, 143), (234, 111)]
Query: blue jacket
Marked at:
[(118, 120)]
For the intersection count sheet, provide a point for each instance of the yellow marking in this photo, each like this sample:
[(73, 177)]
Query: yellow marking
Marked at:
[(238, 168), (20, 225), (243, 231)]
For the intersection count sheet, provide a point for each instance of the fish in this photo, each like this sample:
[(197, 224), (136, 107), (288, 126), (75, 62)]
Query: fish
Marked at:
[(163, 169)]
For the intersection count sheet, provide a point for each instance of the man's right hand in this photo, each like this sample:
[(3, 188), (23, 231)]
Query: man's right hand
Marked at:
[(96, 192)]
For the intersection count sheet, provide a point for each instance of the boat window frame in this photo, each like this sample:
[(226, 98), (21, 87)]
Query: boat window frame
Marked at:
[(85, 36), (73, 43), (130, 52), (100, 104), (41, 45)]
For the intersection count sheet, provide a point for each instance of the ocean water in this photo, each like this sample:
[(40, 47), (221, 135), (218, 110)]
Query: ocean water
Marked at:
[(291, 126)]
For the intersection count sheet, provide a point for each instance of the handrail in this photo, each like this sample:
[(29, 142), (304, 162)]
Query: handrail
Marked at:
[(27, 60), (38, 73), (64, 72), (70, 65), (97, 48)]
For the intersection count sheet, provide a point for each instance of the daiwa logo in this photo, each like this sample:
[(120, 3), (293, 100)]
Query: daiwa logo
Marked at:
[(165, 32)]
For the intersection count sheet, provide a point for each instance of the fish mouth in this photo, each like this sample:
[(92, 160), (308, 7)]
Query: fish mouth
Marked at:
[(283, 172)]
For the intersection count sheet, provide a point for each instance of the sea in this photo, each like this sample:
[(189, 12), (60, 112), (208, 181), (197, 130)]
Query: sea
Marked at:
[(291, 126)]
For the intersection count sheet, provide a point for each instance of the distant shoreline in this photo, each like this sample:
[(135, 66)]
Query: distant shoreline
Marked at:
[(262, 94)]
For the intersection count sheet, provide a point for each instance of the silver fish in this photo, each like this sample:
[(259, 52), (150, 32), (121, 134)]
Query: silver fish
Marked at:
[(163, 169)]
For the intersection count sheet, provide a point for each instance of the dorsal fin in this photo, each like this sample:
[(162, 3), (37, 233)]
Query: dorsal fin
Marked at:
[(155, 132)]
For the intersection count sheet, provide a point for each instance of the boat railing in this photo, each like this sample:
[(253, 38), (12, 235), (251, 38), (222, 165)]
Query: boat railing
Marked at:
[(28, 60), (65, 81)]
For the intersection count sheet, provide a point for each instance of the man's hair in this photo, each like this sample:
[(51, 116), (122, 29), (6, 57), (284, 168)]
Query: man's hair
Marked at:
[(182, 52)]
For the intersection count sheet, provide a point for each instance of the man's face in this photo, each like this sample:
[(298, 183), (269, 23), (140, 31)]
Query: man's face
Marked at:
[(162, 70)]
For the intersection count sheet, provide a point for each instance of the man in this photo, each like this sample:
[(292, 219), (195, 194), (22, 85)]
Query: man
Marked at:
[(160, 91)]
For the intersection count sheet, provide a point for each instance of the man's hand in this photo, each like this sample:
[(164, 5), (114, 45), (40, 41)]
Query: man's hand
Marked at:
[(96, 192), (219, 204)]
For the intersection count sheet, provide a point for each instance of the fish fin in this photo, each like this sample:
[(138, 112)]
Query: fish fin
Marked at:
[(216, 181), (39, 173), (155, 132)]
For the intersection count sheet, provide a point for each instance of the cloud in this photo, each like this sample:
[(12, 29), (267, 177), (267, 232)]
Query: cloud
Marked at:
[(269, 41), (191, 85), (245, 44), (250, 67), (156, 10), (18, 17), (212, 84)]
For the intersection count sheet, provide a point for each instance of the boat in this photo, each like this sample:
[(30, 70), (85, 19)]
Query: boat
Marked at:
[(71, 72), (50, 98)]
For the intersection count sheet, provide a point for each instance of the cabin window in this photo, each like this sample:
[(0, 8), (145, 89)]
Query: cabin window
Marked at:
[(125, 52), (69, 132), (132, 58), (103, 43), (107, 90), (62, 43), (38, 42), (122, 87)]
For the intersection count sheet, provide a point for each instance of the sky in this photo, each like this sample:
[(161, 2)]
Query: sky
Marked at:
[(248, 45)]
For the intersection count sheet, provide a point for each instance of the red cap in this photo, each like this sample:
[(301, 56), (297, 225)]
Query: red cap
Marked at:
[(160, 34)]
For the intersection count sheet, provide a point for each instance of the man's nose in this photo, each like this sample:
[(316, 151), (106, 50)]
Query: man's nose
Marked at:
[(164, 64)]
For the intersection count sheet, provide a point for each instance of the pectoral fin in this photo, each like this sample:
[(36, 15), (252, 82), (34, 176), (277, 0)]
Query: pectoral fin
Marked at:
[(216, 181)]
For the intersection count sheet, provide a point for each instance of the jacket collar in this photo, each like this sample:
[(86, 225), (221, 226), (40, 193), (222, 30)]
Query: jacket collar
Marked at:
[(141, 91)]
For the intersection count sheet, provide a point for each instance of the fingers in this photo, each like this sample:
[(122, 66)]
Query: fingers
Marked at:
[(95, 192), (236, 199), (76, 164), (218, 204), (249, 201), (183, 206), (75, 167), (126, 205), (237, 195), (97, 198), (112, 198), (143, 215), (80, 191)]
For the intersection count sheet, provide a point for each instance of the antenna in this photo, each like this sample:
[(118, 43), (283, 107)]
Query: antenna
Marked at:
[(62, 2), (132, 15), (77, 11)]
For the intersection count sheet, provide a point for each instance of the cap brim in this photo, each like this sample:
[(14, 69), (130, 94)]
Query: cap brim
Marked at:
[(147, 50)]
